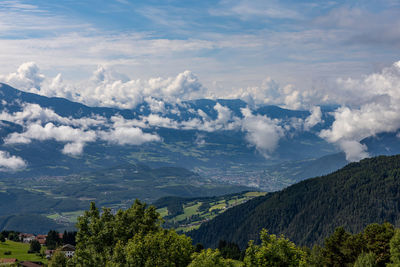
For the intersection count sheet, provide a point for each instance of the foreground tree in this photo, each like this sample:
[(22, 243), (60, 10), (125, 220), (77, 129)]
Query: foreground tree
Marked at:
[(274, 251), (132, 237), (378, 238), (366, 260), (395, 249), (211, 258), (162, 248)]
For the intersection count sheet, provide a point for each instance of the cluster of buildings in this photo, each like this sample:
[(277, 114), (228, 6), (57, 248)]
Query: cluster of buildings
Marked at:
[(28, 238), (68, 249)]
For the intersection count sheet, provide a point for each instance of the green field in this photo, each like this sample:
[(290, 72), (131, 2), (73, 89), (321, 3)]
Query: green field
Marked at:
[(19, 251), (71, 216), (196, 211)]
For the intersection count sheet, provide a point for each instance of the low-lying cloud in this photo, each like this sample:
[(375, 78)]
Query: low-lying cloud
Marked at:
[(368, 106), (379, 112), (261, 131), (10, 163)]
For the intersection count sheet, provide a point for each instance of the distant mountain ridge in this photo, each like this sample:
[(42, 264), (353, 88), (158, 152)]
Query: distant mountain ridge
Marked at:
[(206, 151), (357, 195), (222, 153)]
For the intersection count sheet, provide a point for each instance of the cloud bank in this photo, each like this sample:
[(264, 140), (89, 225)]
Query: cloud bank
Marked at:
[(44, 124), (105, 90), (369, 106)]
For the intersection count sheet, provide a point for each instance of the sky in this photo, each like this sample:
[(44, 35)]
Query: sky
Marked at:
[(227, 44), (295, 54)]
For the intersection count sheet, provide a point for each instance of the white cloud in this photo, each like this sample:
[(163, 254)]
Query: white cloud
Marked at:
[(354, 150), (156, 106), (154, 120), (224, 114), (75, 138), (75, 133), (261, 131), (35, 113), (128, 136), (105, 90), (379, 111), (314, 118), (10, 163), (74, 149), (26, 77), (269, 93)]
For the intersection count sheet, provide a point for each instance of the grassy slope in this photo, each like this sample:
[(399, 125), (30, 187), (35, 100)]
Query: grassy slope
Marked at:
[(18, 251)]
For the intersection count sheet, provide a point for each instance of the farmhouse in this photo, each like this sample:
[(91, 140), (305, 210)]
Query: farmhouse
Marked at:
[(26, 238), (69, 250)]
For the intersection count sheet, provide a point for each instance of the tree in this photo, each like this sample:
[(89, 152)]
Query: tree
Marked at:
[(13, 236), (229, 250), (2, 238), (34, 246), (198, 247), (314, 256), (209, 258), (366, 260), (53, 239), (102, 238), (58, 259), (378, 238), (395, 249), (161, 248), (69, 238), (335, 252), (273, 251)]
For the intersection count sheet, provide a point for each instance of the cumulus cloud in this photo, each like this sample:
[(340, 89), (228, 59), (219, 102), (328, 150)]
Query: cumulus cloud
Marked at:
[(73, 149), (354, 150), (10, 163), (27, 77), (270, 93), (379, 112), (128, 136), (314, 118), (104, 89), (261, 131), (75, 138), (44, 124), (156, 106), (35, 113)]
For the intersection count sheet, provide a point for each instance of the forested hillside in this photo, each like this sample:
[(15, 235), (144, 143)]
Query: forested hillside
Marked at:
[(353, 197)]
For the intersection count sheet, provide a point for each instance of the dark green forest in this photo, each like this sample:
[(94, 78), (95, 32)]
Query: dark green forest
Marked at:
[(352, 197)]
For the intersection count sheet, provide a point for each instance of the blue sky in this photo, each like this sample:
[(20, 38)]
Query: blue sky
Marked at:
[(227, 44)]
